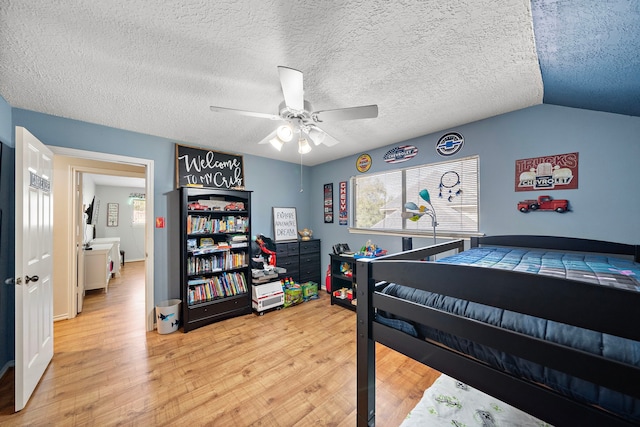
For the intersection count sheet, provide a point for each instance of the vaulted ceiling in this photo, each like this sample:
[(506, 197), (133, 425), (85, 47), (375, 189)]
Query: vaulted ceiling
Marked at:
[(156, 67)]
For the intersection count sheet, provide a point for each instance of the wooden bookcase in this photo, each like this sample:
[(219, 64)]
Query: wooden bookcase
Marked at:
[(215, 236), (341, 280)]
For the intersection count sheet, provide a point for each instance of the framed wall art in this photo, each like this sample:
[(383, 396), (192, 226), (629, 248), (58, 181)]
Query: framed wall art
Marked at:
[(285, 224), (328, 203), (113, 210)]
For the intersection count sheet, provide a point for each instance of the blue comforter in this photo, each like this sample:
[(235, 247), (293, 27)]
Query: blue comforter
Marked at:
[(595, 269)]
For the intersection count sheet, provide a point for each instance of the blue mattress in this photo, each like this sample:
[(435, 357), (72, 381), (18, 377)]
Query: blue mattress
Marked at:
[(596, 269)]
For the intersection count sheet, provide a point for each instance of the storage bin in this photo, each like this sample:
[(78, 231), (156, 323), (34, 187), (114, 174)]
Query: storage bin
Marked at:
[(168, 316), (292, 296), (309, 290)]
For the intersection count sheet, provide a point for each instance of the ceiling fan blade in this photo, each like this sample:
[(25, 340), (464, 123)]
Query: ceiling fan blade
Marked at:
[(292, 88), (268, 137), (352, 113), (244, 113), (328, 140)]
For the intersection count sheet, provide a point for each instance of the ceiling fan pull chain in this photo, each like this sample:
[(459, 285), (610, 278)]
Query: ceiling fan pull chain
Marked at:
[(301, 189)]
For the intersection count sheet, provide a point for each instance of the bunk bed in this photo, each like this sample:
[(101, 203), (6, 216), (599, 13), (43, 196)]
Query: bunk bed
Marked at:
[(563, 346)]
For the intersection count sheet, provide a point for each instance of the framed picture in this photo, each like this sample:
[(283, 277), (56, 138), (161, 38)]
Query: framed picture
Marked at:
[(196, 167), (285, 224), (546, 173), (112, 214), (328, 203)]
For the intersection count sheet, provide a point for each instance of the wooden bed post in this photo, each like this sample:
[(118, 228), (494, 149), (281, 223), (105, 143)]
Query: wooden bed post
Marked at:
[(365, 348)]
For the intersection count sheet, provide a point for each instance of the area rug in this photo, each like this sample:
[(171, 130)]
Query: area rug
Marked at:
[(449, 402)]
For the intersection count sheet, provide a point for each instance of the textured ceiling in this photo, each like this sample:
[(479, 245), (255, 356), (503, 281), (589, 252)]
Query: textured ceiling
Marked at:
[(589, 53), (156, 67)]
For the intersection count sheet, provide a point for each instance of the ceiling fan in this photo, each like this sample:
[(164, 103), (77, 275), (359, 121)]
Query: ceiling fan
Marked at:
[(301, 121)]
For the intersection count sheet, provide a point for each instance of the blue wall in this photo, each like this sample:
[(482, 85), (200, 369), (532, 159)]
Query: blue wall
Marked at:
[(273, 183), (605, 206), (7, 252)]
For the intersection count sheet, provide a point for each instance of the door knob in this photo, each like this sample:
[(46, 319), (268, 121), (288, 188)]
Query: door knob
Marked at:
[(31, 279)]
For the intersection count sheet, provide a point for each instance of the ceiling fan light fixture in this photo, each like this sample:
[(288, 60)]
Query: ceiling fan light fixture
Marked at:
[(277, 144), (285, 133), (316, 135), (303, 146)]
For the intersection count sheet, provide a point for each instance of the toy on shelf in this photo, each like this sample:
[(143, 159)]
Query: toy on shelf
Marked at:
[(345, 269), (305, 234), (370, 250), (268, 248)]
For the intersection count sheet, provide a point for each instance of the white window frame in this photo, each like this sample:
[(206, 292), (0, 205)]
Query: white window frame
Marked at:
[(458, 217)]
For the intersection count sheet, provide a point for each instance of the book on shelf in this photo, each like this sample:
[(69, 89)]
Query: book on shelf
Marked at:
[(209, 289), (228, 224)]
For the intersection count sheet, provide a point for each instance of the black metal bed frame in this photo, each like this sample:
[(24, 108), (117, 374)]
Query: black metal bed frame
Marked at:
[(566, 301)]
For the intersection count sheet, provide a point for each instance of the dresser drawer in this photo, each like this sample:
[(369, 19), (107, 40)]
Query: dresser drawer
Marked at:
[(309, 246), (215, 309), (288, 262), (285, 249), (309, 261)]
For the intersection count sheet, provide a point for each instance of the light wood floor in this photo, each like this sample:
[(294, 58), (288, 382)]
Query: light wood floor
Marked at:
[(293, 367)]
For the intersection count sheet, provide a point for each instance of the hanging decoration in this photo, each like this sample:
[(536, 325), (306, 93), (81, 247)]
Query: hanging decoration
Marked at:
[(450, 182), (328, 203), (343, 213)]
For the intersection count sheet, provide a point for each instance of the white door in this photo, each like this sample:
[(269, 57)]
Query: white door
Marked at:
[(34, 263)]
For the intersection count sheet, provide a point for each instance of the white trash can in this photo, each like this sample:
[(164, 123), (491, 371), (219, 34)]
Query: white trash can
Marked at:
[(168, 316)]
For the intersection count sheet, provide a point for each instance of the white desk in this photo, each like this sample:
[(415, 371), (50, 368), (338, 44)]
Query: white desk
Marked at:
[(97, 266), (115, 251)]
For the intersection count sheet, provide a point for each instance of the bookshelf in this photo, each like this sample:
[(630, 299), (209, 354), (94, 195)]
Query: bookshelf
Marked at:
[(343, 276), (215, 235)]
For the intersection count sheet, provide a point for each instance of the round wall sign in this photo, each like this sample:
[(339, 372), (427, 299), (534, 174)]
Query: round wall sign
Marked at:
[(449, 144), (363, 163)]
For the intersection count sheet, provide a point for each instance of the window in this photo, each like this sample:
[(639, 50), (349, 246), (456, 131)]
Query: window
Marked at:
[(395, 201), (139, 211)]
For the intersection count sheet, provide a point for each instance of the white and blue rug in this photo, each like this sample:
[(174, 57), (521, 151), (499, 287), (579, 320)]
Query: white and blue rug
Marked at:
[(449, 402)]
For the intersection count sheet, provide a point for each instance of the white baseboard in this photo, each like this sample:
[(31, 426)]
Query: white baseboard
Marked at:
[(61, 317)]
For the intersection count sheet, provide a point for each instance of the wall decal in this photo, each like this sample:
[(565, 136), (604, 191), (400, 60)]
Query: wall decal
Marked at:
[(555, 172), (544, 203), (400, 154), (363, 163), (449, 144)]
